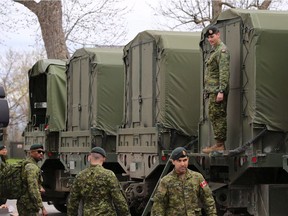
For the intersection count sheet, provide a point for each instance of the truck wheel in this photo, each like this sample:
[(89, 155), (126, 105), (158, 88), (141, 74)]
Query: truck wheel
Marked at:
[(61, 207)]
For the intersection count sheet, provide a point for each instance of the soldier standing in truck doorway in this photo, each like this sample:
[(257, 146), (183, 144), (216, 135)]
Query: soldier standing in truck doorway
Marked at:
[(182, 190), (216, 88)]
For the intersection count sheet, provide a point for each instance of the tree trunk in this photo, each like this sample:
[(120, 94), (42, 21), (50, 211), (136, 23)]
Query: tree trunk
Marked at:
[(49, 14), (216, 8), (265, 5)]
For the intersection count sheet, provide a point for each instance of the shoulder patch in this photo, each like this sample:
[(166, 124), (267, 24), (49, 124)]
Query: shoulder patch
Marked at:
[(223, 50), (203, 184), (30, 166)]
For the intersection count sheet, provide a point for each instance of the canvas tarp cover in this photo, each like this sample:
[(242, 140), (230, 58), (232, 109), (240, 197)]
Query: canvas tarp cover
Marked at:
[(106, 112), (54, 72), (178, 65), (267, 67)]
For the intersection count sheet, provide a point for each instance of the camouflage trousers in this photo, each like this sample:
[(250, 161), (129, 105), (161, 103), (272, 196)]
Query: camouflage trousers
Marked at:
[(217, 112), (24, 211)]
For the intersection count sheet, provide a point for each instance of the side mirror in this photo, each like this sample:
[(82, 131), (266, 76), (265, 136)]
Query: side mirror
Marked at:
[(2, 92), (4, 109)]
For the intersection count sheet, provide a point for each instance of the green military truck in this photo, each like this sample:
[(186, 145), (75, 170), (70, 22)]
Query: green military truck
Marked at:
[(250, 177), (95, 78), (75, 106), (48, 108), (162, 107)]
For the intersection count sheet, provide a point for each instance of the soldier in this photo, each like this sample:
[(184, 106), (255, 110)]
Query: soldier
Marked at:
[(98, 189), (182, 190), (3, 157), (30, 203), (216, 88)]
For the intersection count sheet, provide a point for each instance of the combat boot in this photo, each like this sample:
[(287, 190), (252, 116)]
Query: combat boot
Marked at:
[(219, 146)]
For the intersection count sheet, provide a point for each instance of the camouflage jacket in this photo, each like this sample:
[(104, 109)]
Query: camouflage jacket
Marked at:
[(32, 182), (100, 192), (2, 166), (182, 197), (2, 162), (217, 66)]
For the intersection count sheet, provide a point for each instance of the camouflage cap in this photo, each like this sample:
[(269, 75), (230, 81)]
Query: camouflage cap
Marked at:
[(99, 150), (178, 152), (2, 147), (36, 146), (211, 30)]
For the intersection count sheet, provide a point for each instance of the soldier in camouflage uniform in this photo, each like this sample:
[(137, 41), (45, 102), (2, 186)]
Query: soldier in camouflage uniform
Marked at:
[(216, 87), (3, 156), (30, 203), (182, 191), (98, 189)]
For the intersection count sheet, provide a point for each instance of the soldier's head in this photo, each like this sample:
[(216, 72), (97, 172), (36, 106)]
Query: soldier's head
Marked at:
[(180, 160), (3, 150), (37, 152), (97, 155), (213, 35)]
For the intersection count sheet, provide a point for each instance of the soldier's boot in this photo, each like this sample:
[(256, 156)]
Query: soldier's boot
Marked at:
[(219, 146)]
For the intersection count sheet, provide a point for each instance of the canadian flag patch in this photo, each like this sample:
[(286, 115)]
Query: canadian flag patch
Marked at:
[(203, 184)]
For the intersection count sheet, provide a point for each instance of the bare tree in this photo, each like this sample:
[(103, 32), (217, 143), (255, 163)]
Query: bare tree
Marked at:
[(196, 14), (71, 23), (49, 14), (97, 23), (14, 77)]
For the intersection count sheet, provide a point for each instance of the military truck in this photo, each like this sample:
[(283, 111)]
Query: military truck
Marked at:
[(95, 78), (75, 105), (48, 102), (162, 107), (250, 177)]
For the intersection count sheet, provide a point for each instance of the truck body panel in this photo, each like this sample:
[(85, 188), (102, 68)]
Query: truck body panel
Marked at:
[(161, 112)]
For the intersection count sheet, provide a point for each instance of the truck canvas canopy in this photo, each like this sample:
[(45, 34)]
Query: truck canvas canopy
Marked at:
[(95, 89), (163, 70), (47, 94)]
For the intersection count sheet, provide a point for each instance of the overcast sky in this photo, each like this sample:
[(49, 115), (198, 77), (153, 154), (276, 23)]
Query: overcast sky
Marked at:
[(139, 19)]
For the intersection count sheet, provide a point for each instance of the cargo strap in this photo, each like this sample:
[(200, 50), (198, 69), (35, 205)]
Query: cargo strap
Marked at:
[(150, 201)]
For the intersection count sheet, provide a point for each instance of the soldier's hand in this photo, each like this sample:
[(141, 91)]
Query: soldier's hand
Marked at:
[(44, 212), (4, 206), (42, 190)]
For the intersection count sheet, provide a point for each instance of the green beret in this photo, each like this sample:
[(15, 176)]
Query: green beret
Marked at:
[(36, 146), (211, 30), (178, 152), (2, 147), (99, 150)]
